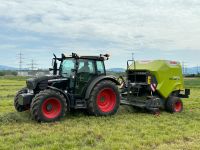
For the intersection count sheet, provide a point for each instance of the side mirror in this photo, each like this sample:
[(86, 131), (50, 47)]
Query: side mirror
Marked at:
[(55, 67), (129, 62)]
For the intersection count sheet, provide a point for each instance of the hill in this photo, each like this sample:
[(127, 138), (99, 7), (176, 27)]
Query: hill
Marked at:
[(116, 70), (2, 67)]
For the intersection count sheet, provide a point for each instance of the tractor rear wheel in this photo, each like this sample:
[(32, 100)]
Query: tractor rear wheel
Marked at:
[(104, 99), (174, 105), (48, 106), (18, 107)]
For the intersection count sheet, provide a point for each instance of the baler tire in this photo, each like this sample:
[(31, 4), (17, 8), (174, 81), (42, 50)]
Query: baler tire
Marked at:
[(174, 105), (108, 91), (18, 107), (48, 98)]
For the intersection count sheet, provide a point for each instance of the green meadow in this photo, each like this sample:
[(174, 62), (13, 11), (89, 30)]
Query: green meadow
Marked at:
[(129, 129)]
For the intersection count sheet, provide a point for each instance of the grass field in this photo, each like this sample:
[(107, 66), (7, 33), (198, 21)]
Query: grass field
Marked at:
[(128, 129)]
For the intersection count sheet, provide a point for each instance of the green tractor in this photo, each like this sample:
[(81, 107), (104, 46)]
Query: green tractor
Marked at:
[(81, 82)]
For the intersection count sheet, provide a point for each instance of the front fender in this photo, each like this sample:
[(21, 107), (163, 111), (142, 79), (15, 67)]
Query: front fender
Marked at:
[(65, 95)]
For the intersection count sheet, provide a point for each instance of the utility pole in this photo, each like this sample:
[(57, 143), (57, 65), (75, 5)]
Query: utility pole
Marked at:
[(183, 68), (32, 65), (20, 57), (197, 69)]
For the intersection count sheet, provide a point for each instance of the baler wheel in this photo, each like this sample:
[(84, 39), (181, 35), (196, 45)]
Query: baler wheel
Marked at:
[(174, 105)]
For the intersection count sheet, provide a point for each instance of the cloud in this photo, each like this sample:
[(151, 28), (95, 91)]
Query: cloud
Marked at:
[(110, 25)]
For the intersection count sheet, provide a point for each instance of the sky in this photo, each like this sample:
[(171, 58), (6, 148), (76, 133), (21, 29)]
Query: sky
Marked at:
[(151, 29)]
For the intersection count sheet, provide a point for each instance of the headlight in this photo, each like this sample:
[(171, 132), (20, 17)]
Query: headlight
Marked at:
[(31, 84)]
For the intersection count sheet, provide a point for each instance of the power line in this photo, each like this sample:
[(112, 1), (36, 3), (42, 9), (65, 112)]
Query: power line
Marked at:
[(20, 61), (32, 65), (184, 67)]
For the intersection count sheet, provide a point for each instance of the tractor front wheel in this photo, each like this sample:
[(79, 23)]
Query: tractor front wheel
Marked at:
[(48, 106), (104, 99), (18, 107), (174, 105)]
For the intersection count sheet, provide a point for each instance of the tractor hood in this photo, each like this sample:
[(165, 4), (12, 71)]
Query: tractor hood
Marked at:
[(33, 82)]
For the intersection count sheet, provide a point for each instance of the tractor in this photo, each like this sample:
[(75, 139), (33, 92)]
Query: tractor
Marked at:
[(81, 82)]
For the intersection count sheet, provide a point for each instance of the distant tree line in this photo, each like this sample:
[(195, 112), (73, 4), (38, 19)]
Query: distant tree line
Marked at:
[(193, 75), (8, 73), (117, 74)]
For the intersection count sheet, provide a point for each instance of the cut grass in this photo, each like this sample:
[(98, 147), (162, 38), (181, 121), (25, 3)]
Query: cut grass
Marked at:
[(128, 129)]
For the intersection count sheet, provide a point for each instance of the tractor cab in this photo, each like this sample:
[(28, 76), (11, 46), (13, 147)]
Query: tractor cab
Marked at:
[(79, 71)]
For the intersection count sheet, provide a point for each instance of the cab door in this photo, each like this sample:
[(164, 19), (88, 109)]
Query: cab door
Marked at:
[(86, 71)]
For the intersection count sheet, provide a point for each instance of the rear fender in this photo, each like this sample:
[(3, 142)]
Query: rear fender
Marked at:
[(97, 80)]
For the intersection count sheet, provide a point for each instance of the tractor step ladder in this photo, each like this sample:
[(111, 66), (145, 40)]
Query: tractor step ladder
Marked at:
[(80, 104)]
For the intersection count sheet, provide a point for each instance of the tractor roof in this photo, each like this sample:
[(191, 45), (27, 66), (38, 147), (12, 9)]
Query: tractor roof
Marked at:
[(92, 57), (101, 57)]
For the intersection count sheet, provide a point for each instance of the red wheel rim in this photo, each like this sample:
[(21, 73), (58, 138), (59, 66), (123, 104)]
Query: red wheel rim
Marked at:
[(51, 108), (106, 100), (178, 106)]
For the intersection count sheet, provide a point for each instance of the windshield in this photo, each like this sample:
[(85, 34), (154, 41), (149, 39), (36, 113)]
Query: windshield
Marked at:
[(67, 66)]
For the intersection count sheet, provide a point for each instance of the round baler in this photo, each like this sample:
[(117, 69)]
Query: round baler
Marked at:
[(155, 85)]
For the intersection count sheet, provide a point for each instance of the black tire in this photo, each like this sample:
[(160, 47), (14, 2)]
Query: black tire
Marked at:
[(48, 99), (18, 107), (104, 99), (174, 105)]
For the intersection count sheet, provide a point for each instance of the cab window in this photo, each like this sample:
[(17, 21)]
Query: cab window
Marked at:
[(86, 66), (67, 66), (100, 67)]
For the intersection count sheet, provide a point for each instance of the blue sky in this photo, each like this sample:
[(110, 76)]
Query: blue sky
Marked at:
[(152, 29)]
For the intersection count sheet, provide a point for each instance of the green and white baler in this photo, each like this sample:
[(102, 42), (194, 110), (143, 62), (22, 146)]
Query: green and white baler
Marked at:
[(154, 85)]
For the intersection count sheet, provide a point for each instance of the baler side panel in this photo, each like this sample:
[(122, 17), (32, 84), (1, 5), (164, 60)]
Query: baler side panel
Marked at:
[(169, 76)]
